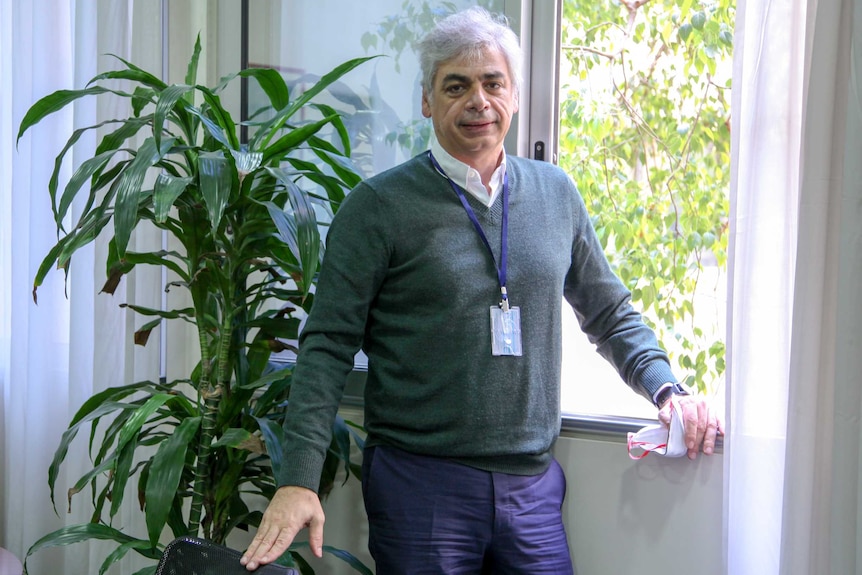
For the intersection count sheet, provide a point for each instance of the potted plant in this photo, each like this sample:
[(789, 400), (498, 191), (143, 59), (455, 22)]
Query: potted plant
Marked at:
[(249, 248)]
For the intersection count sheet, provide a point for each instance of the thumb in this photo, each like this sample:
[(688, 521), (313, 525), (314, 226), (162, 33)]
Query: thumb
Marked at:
[(664, 414), (315, 536)]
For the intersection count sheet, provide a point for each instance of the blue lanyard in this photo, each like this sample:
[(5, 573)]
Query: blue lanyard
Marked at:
[(504, 249)]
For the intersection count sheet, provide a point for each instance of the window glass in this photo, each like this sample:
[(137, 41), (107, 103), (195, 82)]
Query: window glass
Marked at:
[(644, 131), (380, 100)]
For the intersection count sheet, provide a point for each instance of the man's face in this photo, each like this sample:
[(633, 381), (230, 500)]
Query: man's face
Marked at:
[(471, 107)]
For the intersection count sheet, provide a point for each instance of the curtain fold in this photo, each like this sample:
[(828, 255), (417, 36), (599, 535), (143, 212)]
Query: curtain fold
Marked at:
[(821, 524), (793, 478), (766, 127), (76, 341)]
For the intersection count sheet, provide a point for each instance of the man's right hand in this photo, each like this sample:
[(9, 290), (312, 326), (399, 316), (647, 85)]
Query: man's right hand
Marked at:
[(291, 509)]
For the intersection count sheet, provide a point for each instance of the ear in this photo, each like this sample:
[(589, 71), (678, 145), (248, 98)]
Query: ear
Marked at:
[(426, 104), (516, 101)]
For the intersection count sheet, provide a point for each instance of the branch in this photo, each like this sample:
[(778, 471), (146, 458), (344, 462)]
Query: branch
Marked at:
[(607, 55)]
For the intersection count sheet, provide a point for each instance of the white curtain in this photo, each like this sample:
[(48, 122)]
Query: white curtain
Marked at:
[(792, 473), (56, 354)]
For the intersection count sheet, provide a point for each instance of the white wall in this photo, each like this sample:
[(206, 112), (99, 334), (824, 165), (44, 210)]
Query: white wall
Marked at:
[(654, 516)]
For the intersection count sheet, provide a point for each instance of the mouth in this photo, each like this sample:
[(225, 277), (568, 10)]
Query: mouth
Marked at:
[(478, 126)]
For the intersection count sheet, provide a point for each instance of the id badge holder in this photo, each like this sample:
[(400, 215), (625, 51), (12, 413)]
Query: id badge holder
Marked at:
[(505, 330)]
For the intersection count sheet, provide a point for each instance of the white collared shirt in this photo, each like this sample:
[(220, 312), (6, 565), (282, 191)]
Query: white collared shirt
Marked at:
[(468, 177)]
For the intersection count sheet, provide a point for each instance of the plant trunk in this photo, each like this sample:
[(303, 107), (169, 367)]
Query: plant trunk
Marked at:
[(212, 398)]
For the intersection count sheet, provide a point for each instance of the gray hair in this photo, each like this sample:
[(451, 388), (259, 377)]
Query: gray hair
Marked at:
[(469, 33)]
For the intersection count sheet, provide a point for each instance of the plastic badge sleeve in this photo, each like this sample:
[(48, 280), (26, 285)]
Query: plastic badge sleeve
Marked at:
[(667, 441)]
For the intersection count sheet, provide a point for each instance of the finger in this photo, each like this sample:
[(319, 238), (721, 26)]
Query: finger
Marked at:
[(664, 414), (711, 433), (703, 415), (690, 423), (315, 536), (255, 544), (271, 546), (258, 547)]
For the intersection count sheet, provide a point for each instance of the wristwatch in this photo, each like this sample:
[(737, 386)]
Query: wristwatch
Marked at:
[(672, 389)]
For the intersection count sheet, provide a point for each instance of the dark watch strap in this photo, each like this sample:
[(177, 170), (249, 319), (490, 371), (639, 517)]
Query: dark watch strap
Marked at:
[(675, 389)]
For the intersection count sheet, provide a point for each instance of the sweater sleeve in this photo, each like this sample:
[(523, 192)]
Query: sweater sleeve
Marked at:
[(603, 307), (352, 271)]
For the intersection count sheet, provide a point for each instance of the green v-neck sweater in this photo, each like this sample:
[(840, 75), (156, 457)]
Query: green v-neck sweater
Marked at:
[(407, 278)]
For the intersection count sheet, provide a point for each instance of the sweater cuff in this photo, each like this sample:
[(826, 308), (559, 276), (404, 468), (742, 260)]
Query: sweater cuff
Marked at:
[(301, 469), (654, 376)]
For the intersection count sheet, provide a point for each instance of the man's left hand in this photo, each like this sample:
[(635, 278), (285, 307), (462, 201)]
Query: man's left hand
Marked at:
[(701, 420)]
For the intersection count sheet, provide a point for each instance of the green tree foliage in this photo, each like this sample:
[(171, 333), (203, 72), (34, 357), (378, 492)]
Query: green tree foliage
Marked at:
[(645, 134)]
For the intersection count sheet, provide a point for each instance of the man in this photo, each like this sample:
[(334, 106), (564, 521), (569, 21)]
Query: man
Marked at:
[(449, 271)]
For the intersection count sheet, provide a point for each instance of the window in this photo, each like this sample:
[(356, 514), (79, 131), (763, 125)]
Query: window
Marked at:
[(644, 131), (632, 102)]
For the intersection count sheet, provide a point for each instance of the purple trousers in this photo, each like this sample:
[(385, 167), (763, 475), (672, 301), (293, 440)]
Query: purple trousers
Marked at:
[(429, 515)]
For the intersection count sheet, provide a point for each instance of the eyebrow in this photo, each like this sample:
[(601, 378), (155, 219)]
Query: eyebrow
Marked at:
[(448, 78)]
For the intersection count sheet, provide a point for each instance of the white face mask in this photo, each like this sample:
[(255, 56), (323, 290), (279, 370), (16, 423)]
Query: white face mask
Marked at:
[(668, 441)]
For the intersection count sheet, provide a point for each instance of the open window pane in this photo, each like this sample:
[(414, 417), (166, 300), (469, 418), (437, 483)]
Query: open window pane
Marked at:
[(645, 133)]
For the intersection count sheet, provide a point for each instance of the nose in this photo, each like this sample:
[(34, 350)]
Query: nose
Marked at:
[(478, 99)]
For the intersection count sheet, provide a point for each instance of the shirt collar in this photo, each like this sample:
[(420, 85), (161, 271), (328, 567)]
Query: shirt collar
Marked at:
[(468, 177)]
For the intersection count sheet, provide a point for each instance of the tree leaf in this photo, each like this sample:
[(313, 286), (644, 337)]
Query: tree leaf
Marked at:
[(165, 192), (222, 117), (216, 180), (141, 415), (274, 439), (121, 551), (307, 233), (52, 103), (272, 83), (129, 188), (165, 473)]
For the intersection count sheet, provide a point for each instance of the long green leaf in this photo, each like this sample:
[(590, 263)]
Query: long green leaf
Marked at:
[(216, 174), (274, 439), (269, 378), (341, 165), (212, 127), (122, 471), (325, 81), (111, 394), (78, 179), (134, 424), (156, 259), (102, 409), (121, 551), (292, 140), (133, 73), (168, 98), (338, 123), (72, 534), (192, 69), (165, 192), (335, 188), (52, 103), (88, 228), (221, 116), (233, 437), (272, 83), (112, 141), (307, 232), (165, 473), (340, 554), (129, 188), (162, 313)]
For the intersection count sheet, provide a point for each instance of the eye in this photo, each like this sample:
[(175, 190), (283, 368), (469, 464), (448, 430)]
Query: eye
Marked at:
[(454, 89)]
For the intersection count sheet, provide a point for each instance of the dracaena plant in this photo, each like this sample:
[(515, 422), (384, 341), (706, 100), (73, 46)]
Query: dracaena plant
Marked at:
[(243, 218)]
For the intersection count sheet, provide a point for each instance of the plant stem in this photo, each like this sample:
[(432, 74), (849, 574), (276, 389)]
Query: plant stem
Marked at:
[(206, 390), (212, 398)]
